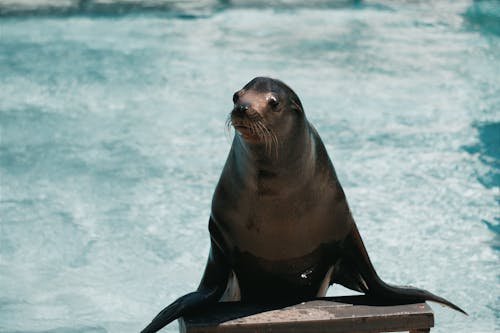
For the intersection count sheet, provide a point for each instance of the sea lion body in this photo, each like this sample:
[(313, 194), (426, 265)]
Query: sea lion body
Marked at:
[(280, 226), (279, 234)]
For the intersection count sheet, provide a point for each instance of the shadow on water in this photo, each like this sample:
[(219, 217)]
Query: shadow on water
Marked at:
[(174, 8), (74, 330), (484, 16), (488, 151)]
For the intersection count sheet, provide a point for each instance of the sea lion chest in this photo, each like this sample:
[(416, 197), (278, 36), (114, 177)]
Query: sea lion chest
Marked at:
[(271, 227), (280, 232)]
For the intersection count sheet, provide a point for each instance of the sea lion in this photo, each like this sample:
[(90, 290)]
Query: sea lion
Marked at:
[(280, 227)]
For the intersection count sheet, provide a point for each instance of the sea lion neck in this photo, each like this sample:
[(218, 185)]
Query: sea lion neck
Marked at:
[(294, 156)]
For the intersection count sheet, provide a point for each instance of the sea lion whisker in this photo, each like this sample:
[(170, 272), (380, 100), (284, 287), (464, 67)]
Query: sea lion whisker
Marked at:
[(227, 127), (276, 142), (264, 134), (269, 140), (273, 140), (253, 128)]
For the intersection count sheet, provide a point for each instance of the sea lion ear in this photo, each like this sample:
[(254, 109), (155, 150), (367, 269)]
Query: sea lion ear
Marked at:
[(296, 105)]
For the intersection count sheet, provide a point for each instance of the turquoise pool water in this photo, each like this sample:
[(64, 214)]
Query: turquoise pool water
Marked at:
[(112, 140)]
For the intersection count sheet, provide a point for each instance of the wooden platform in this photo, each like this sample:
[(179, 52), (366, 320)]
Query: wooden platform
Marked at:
[(349, 314)]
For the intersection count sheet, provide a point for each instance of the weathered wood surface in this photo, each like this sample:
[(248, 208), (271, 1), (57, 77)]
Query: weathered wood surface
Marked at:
[(350, 314)]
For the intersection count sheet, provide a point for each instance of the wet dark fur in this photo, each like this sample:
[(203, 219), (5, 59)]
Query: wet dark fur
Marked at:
[(280, 225)]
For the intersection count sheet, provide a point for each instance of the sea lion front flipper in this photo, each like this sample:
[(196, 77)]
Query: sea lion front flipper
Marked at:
[(355, 271), (212, 286)]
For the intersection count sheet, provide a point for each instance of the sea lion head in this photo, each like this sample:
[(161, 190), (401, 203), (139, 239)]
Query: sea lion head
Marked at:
[(265, 112)]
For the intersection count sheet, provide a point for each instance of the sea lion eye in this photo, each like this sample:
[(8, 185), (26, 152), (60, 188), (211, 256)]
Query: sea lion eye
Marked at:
[(273, 101)]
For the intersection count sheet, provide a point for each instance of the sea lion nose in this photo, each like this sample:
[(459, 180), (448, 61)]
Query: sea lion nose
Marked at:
[(241, 109)]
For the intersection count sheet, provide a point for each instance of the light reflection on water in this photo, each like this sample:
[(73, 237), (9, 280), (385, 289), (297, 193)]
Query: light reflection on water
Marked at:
[(112, 140)]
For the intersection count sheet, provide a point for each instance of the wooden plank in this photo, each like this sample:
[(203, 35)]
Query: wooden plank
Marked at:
[(327, 315)]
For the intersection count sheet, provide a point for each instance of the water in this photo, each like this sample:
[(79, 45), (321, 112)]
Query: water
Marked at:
[(112, 140)]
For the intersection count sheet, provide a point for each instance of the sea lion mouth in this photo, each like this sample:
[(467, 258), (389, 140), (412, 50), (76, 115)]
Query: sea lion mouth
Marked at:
[(247, 130), (254, 131), (241, 125), (247, 133)]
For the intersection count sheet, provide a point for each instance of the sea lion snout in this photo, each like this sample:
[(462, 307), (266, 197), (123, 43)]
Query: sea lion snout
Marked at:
[(243, 111), (241, 108)]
